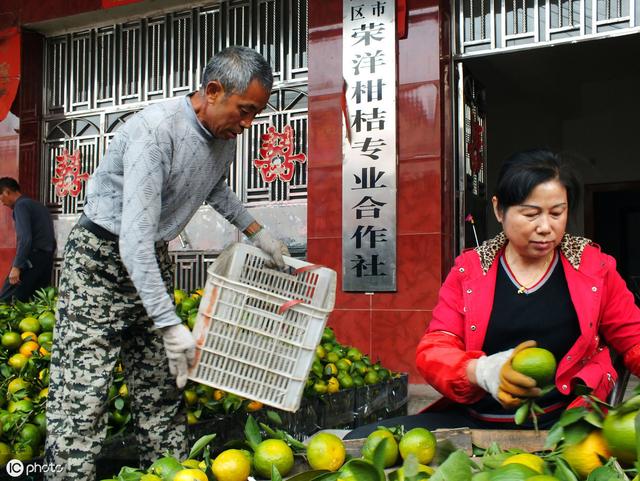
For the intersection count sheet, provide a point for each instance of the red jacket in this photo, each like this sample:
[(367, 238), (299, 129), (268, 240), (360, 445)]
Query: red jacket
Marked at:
[(605, 308)]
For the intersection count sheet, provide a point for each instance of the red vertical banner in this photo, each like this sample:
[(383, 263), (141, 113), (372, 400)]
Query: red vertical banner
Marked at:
[(117, 3), (9, 68)]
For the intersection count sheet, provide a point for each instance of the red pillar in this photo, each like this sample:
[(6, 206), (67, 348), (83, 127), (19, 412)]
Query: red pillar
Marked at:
[(385, 325)]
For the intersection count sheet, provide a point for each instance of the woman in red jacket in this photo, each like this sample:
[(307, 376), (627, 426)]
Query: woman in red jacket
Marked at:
[(533, 283)]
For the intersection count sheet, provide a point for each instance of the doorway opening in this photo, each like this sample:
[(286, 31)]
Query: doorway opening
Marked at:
[(580, 99)]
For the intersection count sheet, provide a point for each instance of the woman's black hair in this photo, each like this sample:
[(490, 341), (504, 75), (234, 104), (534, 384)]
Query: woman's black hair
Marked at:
[(524, 171)]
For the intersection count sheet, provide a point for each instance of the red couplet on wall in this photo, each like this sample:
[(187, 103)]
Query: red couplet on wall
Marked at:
[(9, 68)]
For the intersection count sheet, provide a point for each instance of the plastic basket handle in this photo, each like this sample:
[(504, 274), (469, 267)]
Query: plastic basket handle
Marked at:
[(288, 305), (310, 267)]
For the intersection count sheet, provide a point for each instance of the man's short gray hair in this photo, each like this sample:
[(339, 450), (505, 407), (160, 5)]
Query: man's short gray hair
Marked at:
[(235, 68)]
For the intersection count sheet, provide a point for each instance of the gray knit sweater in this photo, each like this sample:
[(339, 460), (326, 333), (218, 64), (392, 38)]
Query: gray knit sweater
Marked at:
[(161, 165)]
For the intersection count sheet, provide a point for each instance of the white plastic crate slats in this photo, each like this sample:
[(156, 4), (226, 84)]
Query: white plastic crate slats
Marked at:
[(247, 344)]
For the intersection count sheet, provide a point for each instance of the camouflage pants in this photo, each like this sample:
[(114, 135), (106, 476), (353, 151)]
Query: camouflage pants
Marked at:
[(101, 317)]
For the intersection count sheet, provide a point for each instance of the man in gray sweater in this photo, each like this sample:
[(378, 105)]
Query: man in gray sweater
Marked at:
[(116, 282)]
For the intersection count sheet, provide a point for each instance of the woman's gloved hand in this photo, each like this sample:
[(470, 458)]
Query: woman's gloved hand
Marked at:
[(495, 375), (514, 385), (181, 349)]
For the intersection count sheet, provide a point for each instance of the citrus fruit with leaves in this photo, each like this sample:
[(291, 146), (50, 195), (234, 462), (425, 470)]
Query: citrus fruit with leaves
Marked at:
[(166, 468), (390, 449), (326, 451)]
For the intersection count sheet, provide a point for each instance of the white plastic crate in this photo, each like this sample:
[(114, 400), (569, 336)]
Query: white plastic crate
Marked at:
[(258, 328)]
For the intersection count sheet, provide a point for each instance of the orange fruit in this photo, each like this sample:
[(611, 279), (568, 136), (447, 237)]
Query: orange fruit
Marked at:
[(619, 432), (47, 321), (420, 442), (586, 455), (537, 363), (29, 336), (18, 384), (11, 340), (18, 361), (190, 475), (232, 465), (29, 324), (326, 451), (273, 452), (28, 347), (529, 460)]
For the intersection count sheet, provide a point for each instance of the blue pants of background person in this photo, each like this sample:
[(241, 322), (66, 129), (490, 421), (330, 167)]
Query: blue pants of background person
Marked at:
[(32, 278)]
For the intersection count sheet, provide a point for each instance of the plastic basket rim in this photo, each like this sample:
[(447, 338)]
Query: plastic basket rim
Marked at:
[(269, 293)]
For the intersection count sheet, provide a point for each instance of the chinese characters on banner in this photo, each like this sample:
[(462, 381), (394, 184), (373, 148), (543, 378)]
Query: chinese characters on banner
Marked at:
[(369, 146)]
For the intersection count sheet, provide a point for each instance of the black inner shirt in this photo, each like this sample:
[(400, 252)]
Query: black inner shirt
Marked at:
[(544, 314)]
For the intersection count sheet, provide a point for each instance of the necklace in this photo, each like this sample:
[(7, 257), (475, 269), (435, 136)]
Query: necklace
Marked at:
[(545, 270)]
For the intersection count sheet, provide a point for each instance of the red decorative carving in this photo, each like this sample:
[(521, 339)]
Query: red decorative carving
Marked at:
[(277, 155), (475, 146), (68, 178)]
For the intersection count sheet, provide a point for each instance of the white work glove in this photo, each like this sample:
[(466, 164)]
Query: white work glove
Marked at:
[(275, 248), (181, 350), (488, 371)]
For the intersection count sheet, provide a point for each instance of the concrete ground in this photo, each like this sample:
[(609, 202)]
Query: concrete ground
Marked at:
[(421, 395)]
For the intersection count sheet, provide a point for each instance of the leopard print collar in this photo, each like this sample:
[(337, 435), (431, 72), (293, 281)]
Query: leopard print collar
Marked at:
[(570, 246)]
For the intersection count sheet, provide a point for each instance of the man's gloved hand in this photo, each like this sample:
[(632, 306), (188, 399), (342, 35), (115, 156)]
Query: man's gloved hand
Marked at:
[(271, 246), (514, 385), (181, 350)]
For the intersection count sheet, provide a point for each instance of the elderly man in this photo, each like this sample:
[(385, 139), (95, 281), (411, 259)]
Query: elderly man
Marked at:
[(115, 287), (35, 243)]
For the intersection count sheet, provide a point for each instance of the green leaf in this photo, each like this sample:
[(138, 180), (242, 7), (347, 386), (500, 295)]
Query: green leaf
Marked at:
[(555, 435), (576, 432), (547, 389), (444, 449), (572, 415), (272, 433), (361, 470), (594, 418), (252, 432), (410, 466), (119, 404), (563, 472), (297, 446), (274, 418), (200, 444), (606, 473), (325, 477), (275, 474), (457, 467), (522, 413), (378, 454), (129, 474)]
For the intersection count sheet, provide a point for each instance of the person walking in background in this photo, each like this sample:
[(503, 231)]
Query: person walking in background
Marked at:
[(35, 244), (116, 286)]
